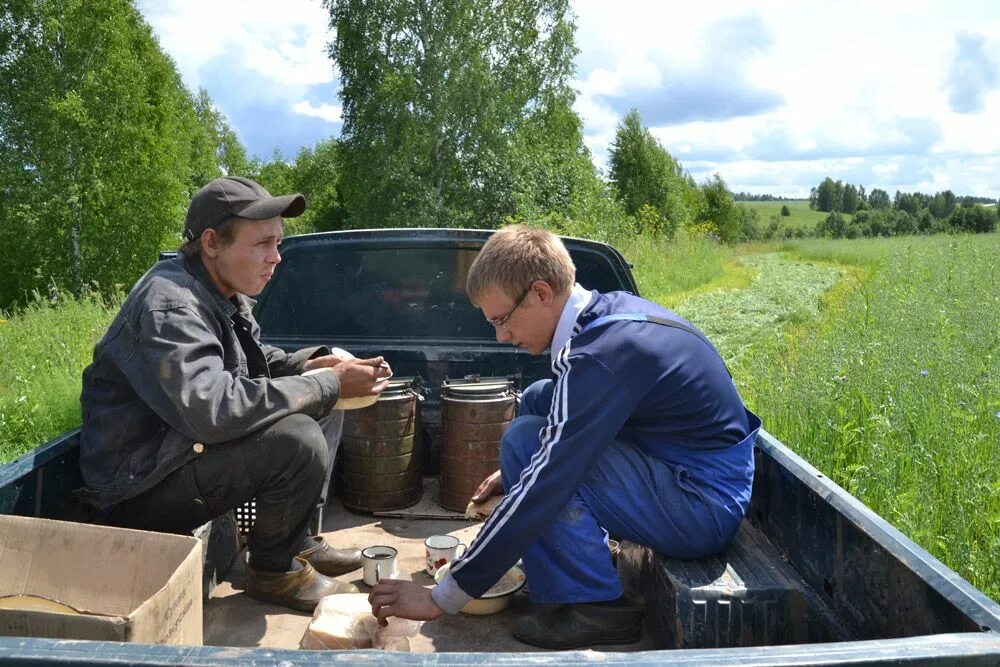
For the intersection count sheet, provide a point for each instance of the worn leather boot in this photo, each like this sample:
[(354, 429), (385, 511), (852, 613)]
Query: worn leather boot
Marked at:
[(329, 561), (572, 626), (300, 589)]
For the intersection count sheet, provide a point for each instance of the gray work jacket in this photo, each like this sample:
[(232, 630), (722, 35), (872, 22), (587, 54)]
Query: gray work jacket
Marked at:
[(169, 379)]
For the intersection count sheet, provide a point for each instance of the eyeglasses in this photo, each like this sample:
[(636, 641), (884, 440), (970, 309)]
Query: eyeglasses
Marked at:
[(500, 321)]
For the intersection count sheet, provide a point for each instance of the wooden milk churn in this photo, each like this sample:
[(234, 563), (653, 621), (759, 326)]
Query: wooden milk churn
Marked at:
[(475, 413), (383, 451)]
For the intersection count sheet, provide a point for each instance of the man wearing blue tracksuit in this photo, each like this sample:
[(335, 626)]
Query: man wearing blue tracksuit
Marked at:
[(640, 433)]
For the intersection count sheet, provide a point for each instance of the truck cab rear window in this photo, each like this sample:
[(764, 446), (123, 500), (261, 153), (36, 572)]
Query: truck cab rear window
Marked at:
[(346, 291)]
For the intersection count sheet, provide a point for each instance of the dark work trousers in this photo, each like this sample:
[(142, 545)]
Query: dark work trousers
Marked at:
[(285, 468), (333, 428)]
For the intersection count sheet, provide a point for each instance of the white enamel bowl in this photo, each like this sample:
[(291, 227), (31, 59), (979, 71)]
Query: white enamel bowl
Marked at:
[(493, 600), (356, 402)]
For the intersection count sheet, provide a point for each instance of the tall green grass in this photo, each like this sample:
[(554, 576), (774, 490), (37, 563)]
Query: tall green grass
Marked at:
[(894, 391), (877, 360), (663, 269), (43, 349)]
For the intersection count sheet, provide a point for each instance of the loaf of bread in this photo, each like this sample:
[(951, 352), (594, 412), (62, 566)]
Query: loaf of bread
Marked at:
[(341, 622), (479, 511), (345, 622)]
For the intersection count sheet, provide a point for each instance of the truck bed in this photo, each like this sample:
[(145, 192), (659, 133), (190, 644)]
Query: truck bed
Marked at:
[(814, 576), (234, 619)]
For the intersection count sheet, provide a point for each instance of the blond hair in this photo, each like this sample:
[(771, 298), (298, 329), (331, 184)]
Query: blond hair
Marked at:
[(517, 255)]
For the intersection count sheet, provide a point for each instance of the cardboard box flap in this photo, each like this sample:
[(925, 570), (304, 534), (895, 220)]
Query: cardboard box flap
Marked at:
[(175, 613)]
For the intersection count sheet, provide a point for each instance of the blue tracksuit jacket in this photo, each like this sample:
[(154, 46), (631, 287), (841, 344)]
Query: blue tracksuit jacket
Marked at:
[(662, 389)]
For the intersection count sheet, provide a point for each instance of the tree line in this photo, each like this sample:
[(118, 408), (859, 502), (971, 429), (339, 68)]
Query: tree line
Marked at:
[(856, 213), (746, 196), (101, 145), (454, 115), (830, 196)]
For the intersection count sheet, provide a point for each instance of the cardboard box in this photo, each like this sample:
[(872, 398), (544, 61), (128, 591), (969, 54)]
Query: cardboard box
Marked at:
[(129, 585)]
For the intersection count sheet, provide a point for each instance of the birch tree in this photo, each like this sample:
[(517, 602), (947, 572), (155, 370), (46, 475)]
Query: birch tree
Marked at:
[(437, 98), (96, 146)]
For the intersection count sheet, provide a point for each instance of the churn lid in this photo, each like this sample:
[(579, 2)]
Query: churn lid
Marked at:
[(401, 385), (472, 386)]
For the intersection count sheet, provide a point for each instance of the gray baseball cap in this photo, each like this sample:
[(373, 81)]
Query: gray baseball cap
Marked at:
[(233, 195)]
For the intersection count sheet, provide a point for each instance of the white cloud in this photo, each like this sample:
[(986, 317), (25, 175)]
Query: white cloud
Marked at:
[(264, 64), (282, 43), (973, 73), (328, 112), (770, 94), (861, 85), (631, 73)]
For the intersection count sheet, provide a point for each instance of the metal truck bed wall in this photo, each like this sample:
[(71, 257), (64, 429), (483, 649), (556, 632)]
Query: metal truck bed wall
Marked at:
[(951, 650), (878, 581)]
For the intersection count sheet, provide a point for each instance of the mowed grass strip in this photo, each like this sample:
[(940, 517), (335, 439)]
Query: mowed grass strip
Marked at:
[(781, 291), (894, 392)]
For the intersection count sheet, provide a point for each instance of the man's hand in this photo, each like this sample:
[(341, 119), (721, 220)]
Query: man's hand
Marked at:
[(406, 599), (358, 378), (491, 486), (362, 377), (336, 357), (326, 361)]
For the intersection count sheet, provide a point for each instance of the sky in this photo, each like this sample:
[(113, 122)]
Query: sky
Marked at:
[(773, 95)]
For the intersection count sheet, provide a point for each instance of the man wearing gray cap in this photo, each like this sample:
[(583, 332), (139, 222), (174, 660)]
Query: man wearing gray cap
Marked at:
[(186, 415)]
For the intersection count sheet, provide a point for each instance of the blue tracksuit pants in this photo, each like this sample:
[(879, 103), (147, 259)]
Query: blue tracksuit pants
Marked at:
[(628, 493)]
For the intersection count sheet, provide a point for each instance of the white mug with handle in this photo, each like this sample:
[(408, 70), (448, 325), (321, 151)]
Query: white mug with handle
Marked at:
[(441, 549), (378, 562)]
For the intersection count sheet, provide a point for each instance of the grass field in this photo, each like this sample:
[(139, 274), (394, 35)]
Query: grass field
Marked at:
[(44, 349), (878, 361), (802, 217), (668, 271), (889, 382)]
